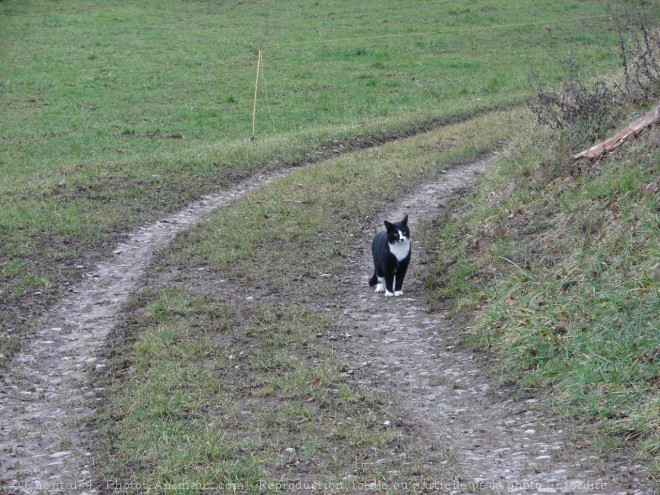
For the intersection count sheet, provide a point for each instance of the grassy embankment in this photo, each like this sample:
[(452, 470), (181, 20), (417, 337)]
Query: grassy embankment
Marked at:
[(113, 112), (557, 265)]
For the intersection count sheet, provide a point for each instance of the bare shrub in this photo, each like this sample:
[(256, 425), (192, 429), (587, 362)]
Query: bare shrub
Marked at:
[(588, 106)]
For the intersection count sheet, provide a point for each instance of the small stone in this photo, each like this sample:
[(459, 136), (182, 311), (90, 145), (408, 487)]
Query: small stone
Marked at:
[(529, 432), (57, 455)]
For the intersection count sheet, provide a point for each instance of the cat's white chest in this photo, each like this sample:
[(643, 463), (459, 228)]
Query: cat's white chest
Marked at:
[(400, 249)]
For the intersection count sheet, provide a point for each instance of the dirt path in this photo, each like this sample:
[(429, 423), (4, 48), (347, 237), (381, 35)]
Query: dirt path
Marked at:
[(46, 392), (501, 445)]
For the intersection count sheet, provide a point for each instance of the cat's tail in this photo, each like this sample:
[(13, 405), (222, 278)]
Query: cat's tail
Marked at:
[(374, 280)]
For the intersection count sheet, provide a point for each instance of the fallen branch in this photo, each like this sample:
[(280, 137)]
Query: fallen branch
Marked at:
[(650, 118)]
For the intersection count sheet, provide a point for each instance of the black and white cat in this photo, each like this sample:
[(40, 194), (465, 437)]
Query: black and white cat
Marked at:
[(391, 250)]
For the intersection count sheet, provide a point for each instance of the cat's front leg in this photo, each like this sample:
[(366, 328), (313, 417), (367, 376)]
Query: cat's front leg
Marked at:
[(400, 275), (389, 282)]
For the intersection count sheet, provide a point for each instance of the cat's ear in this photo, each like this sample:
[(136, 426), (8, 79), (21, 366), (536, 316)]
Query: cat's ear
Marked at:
[(404, 221), (388, 225)]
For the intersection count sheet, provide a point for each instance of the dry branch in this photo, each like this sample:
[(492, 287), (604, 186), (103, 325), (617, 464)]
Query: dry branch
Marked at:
[(650, 118)]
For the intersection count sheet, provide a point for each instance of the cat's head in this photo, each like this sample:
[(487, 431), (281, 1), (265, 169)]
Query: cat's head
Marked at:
[(398, 231)]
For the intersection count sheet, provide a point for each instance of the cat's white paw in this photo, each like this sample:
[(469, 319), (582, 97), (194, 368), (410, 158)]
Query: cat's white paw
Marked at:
[(398, 293), (380, 288), (389, 294)]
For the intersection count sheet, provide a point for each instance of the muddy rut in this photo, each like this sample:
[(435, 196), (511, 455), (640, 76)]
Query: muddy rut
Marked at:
[(500, 445)]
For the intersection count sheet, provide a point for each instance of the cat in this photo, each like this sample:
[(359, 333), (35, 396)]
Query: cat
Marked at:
[(391, 249)]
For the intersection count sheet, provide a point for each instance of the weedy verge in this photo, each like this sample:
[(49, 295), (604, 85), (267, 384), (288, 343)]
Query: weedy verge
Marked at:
[(556, 261), (556, 264)]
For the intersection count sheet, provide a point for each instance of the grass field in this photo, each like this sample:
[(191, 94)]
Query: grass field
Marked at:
[(113, 112)]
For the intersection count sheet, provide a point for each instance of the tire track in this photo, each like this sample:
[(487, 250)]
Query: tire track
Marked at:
[(47, 392)]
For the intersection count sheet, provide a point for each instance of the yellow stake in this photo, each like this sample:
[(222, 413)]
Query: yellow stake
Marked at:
[(256, 85)]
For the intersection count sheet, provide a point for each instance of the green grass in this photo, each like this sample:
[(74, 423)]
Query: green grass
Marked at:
[(247, 379), (100, 83), (558, 265), (111, 112)]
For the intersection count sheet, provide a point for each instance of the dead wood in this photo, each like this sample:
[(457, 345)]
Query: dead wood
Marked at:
[(650, 118)]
